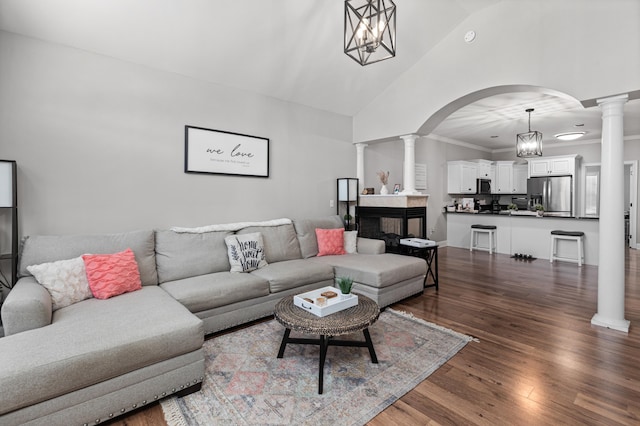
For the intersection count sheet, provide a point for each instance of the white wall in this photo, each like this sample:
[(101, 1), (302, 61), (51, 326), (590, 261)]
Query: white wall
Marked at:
[(587, 49), (100, 145)]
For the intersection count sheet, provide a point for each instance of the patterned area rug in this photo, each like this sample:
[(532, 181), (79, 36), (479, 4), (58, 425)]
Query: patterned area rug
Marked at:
[(246, 384)]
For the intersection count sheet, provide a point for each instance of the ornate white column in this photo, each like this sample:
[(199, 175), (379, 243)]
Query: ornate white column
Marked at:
[(360, 164), (611, 249), (410, 164)]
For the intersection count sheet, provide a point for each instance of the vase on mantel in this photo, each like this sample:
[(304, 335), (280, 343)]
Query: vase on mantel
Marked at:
[(384, 190)]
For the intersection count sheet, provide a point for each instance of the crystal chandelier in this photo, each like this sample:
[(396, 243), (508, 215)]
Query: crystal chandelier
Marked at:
[(369, 30), (529, 144)]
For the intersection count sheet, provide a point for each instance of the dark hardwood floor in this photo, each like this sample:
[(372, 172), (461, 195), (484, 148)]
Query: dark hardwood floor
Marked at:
[(539, 361)]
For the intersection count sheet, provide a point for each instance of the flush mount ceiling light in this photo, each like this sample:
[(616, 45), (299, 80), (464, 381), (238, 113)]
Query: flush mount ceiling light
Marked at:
[(569, 136), (529, 144), (369, 30)]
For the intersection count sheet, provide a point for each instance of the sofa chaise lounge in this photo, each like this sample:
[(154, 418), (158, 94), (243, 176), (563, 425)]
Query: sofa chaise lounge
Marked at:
[(96, 359)]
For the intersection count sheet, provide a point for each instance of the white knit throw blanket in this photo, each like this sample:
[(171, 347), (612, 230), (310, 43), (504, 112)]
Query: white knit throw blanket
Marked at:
[(230, 226)]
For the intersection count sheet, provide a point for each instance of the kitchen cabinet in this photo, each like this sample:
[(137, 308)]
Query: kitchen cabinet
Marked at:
[(553, 166), (461, 177), (484, 169), (511, 178), (520, 173)]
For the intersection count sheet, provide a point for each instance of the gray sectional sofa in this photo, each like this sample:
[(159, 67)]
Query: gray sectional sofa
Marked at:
[(96, 359)]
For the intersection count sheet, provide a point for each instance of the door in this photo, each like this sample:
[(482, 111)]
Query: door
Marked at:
[(591, 196), (592, 191)]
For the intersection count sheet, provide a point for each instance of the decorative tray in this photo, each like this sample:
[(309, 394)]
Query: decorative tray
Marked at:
[(309, 301), (417, 242)]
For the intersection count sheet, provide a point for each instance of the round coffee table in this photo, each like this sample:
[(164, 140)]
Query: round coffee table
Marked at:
[(350, 320)]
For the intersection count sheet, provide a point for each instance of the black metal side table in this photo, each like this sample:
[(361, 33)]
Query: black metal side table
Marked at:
[(430, 254)]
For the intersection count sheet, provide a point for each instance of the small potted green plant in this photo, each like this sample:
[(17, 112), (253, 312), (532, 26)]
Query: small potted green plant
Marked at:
[(539, 210), (512, 207), (345, 283)]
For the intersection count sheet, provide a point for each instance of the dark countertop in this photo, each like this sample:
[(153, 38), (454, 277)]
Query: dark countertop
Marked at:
[(525, 214)]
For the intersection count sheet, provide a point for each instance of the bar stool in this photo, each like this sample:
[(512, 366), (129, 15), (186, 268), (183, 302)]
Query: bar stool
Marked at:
[(483, 229), (576, 236)]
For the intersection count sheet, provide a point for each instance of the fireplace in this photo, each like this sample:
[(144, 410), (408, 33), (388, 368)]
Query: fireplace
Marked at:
[(390, 224)]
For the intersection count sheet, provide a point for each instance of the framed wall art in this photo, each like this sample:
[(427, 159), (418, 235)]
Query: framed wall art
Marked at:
[(225, 153)]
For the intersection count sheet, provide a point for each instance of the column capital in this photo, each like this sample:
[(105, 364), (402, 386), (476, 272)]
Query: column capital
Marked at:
[(613, 99), (411, 137)]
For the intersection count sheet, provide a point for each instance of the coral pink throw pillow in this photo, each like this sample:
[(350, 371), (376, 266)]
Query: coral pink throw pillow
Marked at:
[(112, 274), (330, 241)]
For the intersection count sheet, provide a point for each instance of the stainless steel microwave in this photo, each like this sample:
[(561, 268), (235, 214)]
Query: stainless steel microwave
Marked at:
[(483, 186)]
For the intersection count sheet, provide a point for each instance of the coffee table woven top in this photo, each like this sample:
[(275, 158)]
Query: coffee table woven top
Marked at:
[(347, 321)]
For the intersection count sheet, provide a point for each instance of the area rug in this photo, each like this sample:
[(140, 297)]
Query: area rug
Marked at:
[(246, 384)]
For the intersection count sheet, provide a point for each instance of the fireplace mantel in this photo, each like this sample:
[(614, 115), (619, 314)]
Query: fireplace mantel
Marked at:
[(392, 200)]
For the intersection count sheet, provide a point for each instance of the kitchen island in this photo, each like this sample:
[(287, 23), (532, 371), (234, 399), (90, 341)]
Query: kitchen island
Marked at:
[(525, 233)]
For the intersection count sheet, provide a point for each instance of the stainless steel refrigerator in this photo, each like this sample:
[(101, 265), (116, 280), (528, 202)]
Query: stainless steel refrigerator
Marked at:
[(554, 193)]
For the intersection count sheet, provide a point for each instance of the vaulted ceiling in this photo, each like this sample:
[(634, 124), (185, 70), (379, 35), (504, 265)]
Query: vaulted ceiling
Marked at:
[(290, 50)]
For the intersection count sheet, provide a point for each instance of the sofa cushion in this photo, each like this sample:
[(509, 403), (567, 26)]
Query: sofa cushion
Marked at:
[(246, 252), (65, 280), (112, 274), (280, 242), (93, 341), (218, 289), (351, 242), (39, 249), (293, 273), (330, 241), (183, 255), (376, 270), (306, 232)]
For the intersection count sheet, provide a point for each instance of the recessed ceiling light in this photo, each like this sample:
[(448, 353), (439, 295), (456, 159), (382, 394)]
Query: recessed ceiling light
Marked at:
[(569, 136)]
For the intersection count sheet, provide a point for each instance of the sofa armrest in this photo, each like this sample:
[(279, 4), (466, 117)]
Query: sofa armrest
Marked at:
[(27, 306), (370, 246)]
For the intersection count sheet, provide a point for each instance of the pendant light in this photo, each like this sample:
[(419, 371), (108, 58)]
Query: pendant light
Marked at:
[(529, 144), (369, 30)]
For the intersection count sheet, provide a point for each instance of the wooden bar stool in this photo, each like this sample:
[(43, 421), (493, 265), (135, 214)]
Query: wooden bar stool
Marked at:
[(576, 236), (483, 229)]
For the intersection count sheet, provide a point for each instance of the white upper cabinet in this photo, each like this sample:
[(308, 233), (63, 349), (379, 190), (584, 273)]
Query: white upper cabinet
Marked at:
[(510, 178), (461, 177), (507, 177), (485, 169), (553, 166), (504, 175), (520, 178)]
